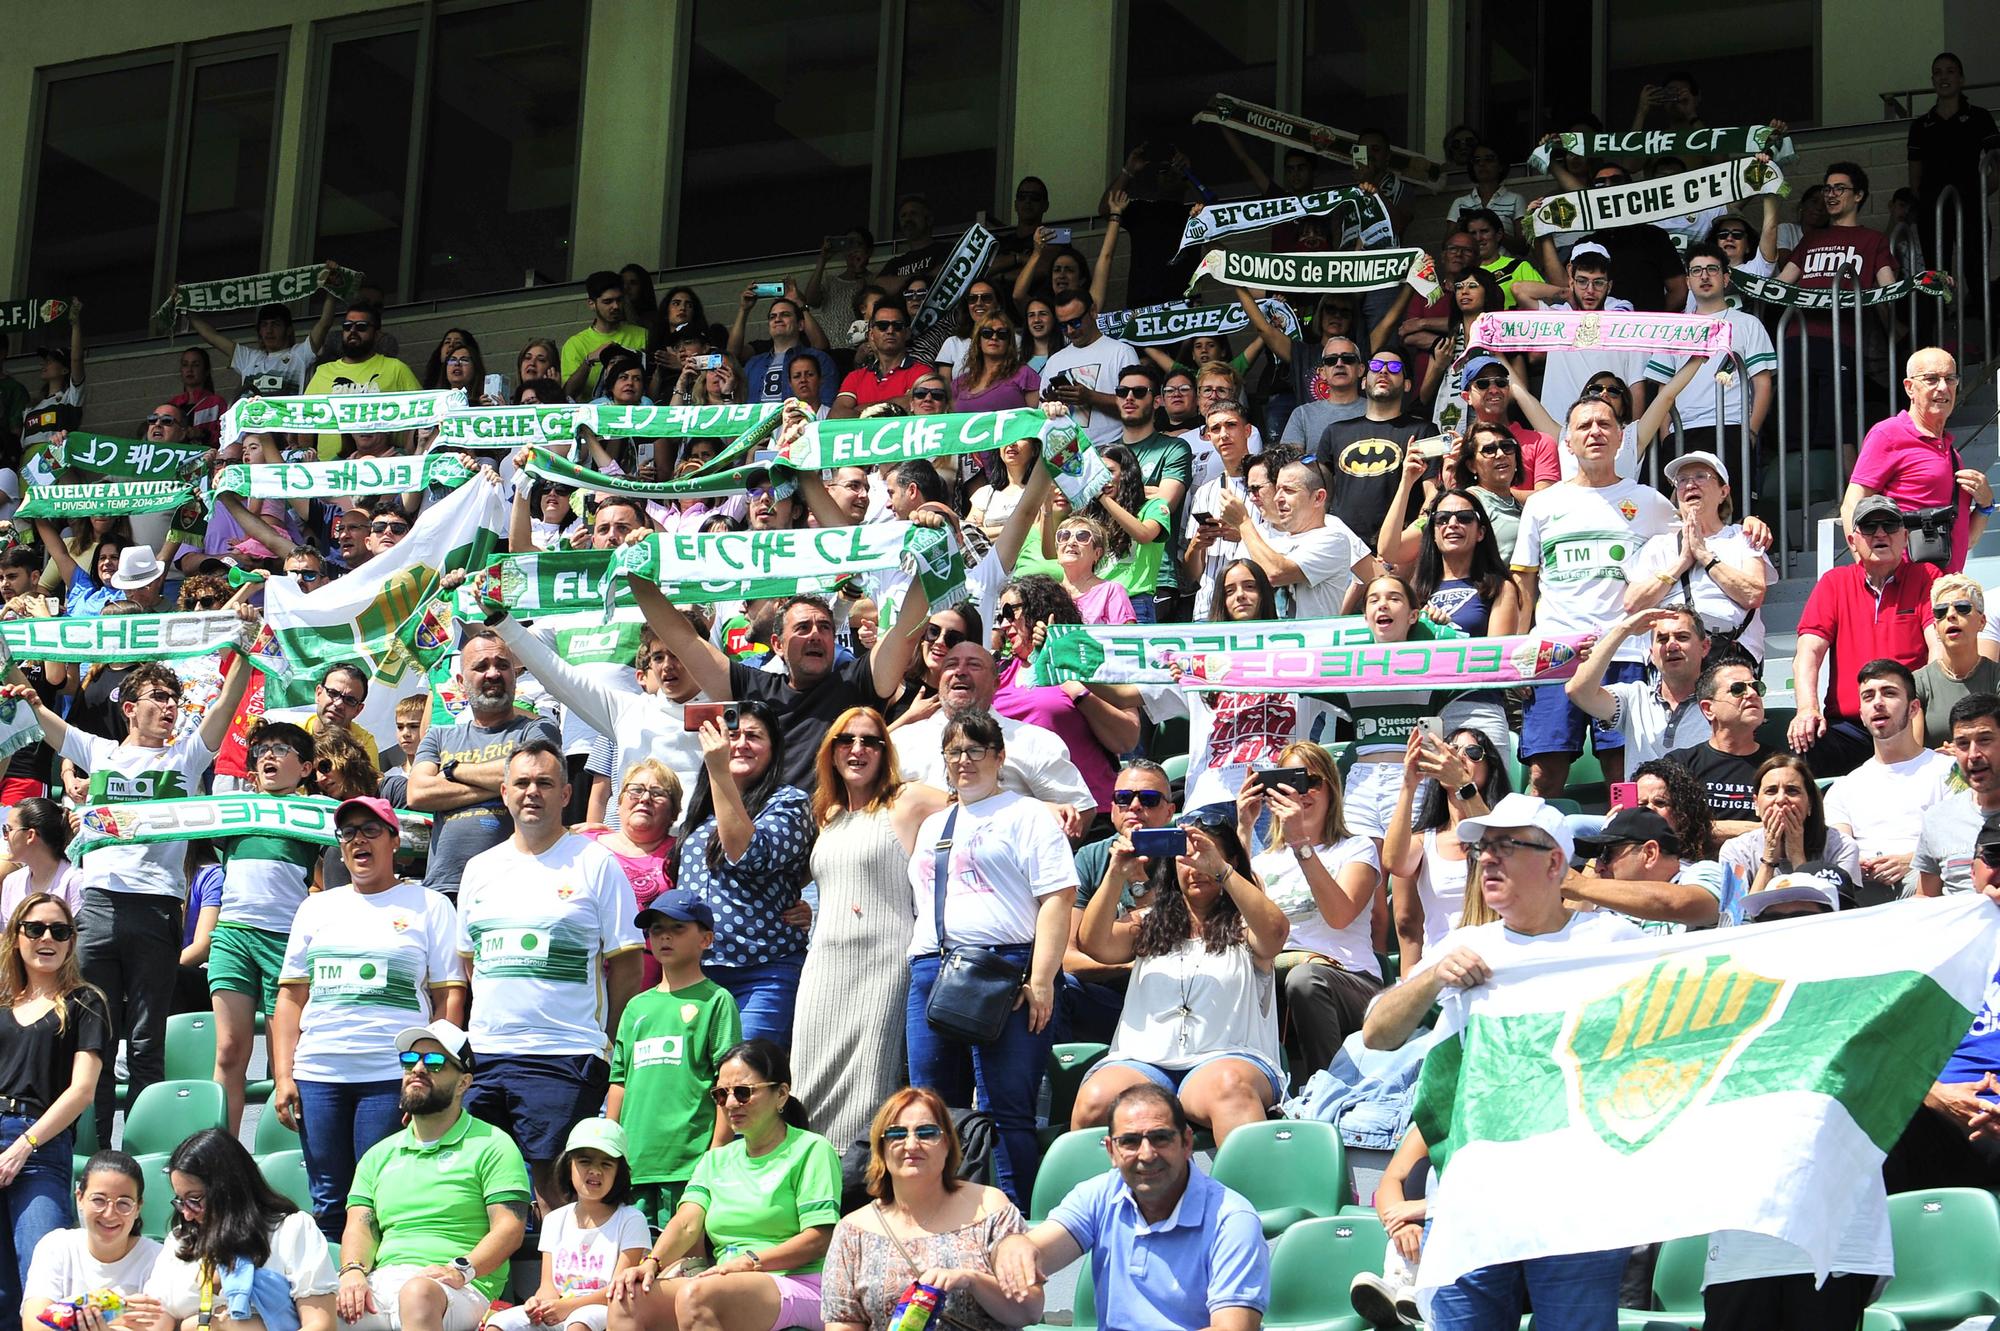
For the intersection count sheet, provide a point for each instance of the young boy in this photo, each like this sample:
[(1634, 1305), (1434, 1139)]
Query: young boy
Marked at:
[(413, 718), (669, 1046)]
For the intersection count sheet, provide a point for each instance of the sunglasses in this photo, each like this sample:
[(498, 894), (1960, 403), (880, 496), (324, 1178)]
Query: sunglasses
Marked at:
[(1472, 753), (927, 394), (365, 831), (164, 418), (1341, 358), (62, 933), (1878, 526), (889, 325), (1989, 856), (193, 1201), (1962, 609), (1132, 390), (1072, 325), (1145, 799), (860, 741), (1008, 613), (1157, 1138), (1732, 234), (431, 1062), (1605, 390), (389, 528), (1385, 365), (923, 1132), (992, 335), (722, 1095), (1743, 686), (1489, 383), (1495, 450), (949, 637), (354, 325), (1079, 535), (1453, 517)]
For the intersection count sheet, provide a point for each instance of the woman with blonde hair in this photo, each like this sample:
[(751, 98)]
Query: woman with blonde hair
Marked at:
[(649, 804), (925, 1221), (993, 376), (52, 1050), (847, 1043), (1325, 880)]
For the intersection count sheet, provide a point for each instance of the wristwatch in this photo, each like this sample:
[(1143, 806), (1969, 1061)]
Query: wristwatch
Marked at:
[(1466, 792), (465, 1269), (449, 771), (1302, 853), (1713, 560)]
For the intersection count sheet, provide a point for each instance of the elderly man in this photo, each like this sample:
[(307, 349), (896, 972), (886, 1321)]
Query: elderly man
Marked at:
[(1911, 458), (1037, 763), (1169, 1246), (1877, 606), (1520, 851), (437, 1209)]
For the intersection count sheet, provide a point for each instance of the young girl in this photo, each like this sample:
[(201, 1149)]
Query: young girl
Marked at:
[(106, 1252), (587, 1242)]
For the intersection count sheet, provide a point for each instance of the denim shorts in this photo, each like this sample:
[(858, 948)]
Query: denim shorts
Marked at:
[(1170, 1079), (1554, 724)]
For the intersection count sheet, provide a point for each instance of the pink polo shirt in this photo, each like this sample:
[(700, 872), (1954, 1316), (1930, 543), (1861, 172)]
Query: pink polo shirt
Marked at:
[(1916, 470)]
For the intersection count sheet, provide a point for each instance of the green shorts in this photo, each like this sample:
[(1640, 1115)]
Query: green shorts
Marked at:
[(243, 960), (658, 1201)]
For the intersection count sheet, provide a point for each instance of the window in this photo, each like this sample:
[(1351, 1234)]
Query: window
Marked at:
[(1752, 62), (227, 196), (1524, 71), (1178, 53), (779, 111), (954, 75), (485, 100), (1356, 59)]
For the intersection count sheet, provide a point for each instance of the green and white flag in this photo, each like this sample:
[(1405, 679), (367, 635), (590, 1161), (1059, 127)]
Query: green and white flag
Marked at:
[(1658, 200), (131, 459), (1770, 291), (300, 818), (735, 566), (18, 727), (341, 413), (824, 445), (1745, 1078), (111, 498), (1719, 141), (967, 260), (1140, 653), (1364, 270), (242, 293), (169, 638), (24, 316), (1177, 320), (1357, 209), (349, 476), (386, 617)]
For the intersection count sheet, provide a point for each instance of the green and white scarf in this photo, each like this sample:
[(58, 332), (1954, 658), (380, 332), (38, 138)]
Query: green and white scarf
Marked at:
[(170, 637), (740, 566), (308, 818), (1177, 320), (544, 465), (825, 445), (18, 727), (24, 316), (133, 459), (1358, 210), (1770, 291), (511, 427), (1721, 141), (1275, 126), (1072, 463), (967, 260), (341, 413), (540, 585), (242, 293), (103, 501), (349, 476), (1656, 200), (1365, 270)]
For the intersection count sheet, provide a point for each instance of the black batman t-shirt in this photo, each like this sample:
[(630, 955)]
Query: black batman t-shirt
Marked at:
[(1363, 462)]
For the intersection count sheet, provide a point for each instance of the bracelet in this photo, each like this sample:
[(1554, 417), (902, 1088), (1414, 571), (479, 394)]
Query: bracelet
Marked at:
[(345, 1267), (34, 1143), (755, 1260)]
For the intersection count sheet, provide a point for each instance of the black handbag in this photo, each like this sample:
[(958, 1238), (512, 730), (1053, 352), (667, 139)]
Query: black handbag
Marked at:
[(976, 988), (1930, 528)]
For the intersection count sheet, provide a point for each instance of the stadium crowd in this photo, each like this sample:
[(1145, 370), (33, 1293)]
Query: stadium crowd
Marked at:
[(729, 973)]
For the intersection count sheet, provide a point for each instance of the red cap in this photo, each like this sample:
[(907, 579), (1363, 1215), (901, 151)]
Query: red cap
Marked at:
[(372, 805)]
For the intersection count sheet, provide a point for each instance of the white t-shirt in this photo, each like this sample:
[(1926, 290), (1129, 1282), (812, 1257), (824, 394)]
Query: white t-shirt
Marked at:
[(584, 1259), (1564, 373), (538, 929), (18, 886), (952, 352), (1864, 1246), (1696, 403), (1095, 367), (298, 1251), (128, 773), (1326, 556), (1718, 612), (1578, 539), (371, 959), (63, 1268), (1284, 880), (1441, 886), (1038, 762), (295, 363), (1007, 853), (1882, 804), (1507, 203), (1496, 944), (1207, 498), (1229, 733)]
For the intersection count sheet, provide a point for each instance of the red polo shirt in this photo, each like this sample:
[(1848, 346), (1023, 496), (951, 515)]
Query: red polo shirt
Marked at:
[(1862, 626), (867, 387)]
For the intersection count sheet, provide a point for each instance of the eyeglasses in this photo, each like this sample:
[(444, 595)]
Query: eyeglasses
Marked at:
[(1500, 846), (645, 794), (118, 1206), (1488, 383), (888, 325), (1453, 517), (992, 335), (1177, 390), (923, 1132), (1458, 249), (163, 418), (967, 753), (1076, 535), (1837, 187), (1878, 526), (1704, 270), (1132, 390), (1730, 233), (389, 528), (722, 1095), (875, 742), (1935, 380), (982, 298), (190, 1201), (259, 752), (458, 360), (927, 394), (1743, 686), (432, 1062), (1341, 358), (939, 633), (363, 831), (62, 933), (1145, 799), (1962, 609), (1157, 1138), (351, 325), (1591, 283), (341, 696), (1385, 365)]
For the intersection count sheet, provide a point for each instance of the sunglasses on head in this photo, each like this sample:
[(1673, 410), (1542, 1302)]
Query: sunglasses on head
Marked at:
[(1145, 799), (62, 933), (1962, 609)]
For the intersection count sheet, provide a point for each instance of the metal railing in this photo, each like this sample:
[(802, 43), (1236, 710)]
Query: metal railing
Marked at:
[(1739, 376), (1900, 103)]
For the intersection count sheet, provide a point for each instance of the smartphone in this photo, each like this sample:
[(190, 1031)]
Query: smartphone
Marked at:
[(496, 387), (1432, 726), (1204, 518), (1434, 447), (714, 360), (1295, 777), (1158, 843), (1061, 235), (699, 714), (768, 289), (1624, 794)]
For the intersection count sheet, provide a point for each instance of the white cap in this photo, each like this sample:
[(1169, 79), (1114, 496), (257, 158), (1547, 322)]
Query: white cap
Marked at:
[(1819, 887), (1698, 458), (1518, 810), (1588, 247), (455, 1041)]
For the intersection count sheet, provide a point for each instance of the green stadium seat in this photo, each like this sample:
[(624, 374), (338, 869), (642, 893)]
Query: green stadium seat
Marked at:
[(191, 1046), (1312, 1267), (1071, 1159), (166, 1114), (1290, 1170), (156, 1206), (285, 1171), (272, 1135), (1069, 1064), (1676, 1286), (1947, 1246)]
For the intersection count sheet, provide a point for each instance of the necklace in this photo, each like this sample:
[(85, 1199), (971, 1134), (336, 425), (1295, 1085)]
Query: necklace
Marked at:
[(1185, 979), (1945, 669)]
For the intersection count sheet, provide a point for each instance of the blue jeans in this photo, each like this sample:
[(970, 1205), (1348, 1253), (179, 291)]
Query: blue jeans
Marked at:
[(339, 1121), (1007, 1073), (37, 1203), (1573, 1292), (1143, 608), (765, 994)]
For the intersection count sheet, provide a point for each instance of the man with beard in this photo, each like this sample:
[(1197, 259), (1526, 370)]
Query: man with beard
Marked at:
[(460, 768), (1093, 991), (1944, 853), (437, 1209), (545, 927), (1362, 458), (359, 368)]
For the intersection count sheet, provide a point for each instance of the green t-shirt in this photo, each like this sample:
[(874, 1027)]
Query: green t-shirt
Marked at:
[(1163, 458), (670, 1045), (377, 374), (430, 1199), (1139, 572), (580, 347), (752, 1204)]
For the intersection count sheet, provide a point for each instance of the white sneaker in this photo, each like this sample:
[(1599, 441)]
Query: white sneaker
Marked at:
[(1406, 1307), (1374, 1299)]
